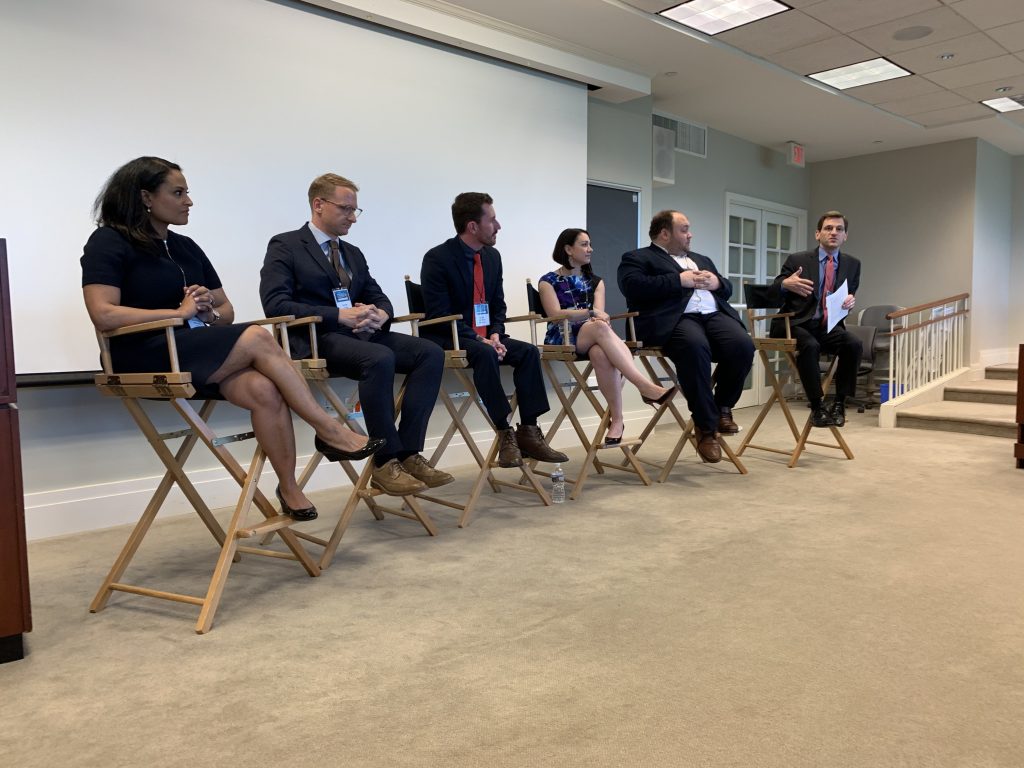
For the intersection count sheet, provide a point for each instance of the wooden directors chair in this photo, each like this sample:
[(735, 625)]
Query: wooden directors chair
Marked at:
[(550, 356), (314, 371), (649, 356), (175, 387), (456, 362), (761, 300)]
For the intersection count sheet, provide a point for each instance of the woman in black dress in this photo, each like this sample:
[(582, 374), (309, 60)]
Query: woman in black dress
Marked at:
[(134, 270)]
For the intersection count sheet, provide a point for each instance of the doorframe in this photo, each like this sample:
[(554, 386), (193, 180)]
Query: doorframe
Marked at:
[(760, 392)]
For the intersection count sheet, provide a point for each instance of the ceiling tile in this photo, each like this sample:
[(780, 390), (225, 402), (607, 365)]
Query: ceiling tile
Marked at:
[(651, 6), (893, 90), (944, 23), (952, 115), (927, 103), (983, 91), (966, 50), (990, 13), (848, 15), (978, 72), (826, 54), (1011, 37), (776, 33)]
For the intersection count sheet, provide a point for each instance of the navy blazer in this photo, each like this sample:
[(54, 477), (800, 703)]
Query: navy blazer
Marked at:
[(803, 307), (649, 279), (446, 291), (297, 279)]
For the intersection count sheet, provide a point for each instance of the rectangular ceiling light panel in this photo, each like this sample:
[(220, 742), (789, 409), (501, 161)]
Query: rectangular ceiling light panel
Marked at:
[(864, 73), (1003, 105), (714, 16)]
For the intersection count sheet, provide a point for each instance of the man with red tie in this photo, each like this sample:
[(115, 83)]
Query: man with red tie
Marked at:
[(463, 276), (313, 271), (806, 280)]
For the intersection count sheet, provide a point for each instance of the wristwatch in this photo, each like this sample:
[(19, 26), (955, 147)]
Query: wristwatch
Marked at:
[(592, 313), (216, 316)]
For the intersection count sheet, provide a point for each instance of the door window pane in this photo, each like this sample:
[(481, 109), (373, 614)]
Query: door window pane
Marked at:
[(734, 229), (749, 232)]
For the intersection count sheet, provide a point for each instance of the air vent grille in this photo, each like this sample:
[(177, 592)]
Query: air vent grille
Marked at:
[(690, 137)]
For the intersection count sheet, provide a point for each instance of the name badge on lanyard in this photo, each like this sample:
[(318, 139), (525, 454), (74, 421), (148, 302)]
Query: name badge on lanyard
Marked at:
[(342, 299), (195, 322), (481, 315)]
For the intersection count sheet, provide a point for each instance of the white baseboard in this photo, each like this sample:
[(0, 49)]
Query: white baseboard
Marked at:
[(91, 507)]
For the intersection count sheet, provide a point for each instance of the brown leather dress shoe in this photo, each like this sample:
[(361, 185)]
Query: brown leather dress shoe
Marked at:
[(420, 468), (509, 454), (725, 423), (707, 446), (531, 443), (394, 480)]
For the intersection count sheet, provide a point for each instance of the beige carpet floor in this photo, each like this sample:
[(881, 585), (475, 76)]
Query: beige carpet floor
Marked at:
[(843, 613)]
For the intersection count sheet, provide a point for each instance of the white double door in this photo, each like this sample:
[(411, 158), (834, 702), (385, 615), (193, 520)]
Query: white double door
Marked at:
[(759, 236)]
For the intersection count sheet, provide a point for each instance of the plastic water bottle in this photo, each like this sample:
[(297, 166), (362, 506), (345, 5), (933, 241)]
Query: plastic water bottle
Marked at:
[(557, 485)]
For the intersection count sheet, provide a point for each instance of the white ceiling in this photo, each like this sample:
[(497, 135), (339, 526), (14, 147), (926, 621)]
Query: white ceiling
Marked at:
[(750, 81)]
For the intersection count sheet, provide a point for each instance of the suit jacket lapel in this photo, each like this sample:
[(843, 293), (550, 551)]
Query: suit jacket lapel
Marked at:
[(316, 253), (665, 257)]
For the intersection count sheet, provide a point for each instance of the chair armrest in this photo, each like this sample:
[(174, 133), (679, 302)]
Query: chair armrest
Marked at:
[(272, 320), (152, 325), (295, 322), (623, 315), (444, 318), (408, 318), (532, 316)]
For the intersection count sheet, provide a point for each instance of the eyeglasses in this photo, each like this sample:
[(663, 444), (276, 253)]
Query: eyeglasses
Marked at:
[(348, 210)]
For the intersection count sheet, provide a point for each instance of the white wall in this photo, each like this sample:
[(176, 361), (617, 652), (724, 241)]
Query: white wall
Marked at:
[(619, 147), (254, 99)]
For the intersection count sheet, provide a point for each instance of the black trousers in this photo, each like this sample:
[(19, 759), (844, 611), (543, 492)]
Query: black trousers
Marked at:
[(373, 362), (526, 376), (811, 341), (696, 342)]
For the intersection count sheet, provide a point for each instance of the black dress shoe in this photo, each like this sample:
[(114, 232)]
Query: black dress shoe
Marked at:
[(336, 454), (821, 418), (309, 513), (838, 414), (661, 400)]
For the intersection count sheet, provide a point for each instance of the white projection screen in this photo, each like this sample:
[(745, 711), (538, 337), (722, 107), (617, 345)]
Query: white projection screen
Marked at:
[(254, 98)]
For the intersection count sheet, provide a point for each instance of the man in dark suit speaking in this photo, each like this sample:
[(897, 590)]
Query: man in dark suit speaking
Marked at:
[(683, 306), (806, 279), (463, 276), (311, 271)]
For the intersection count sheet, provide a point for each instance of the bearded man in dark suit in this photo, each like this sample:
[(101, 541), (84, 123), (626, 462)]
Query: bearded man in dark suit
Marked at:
[(683, 306)]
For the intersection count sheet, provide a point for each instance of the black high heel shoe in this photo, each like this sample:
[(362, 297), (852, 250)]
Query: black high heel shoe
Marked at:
[(303, 515), (661, 400), (336, 454), (614, 440)]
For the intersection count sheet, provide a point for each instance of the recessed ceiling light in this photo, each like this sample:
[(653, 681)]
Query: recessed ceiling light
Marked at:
[(714, 16), (1004, 89), (1003, 104), (863, 73), (947, 56)]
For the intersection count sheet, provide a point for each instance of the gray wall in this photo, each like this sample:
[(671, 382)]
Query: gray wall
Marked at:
[(993, 254), (619, 147), (732, 165), (1017, 254), (930, 222)]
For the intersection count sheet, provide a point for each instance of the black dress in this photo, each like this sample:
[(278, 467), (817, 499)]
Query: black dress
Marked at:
[(155, 279)]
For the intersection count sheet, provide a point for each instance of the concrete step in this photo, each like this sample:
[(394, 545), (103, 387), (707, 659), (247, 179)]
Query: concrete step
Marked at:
[(996, 391), (1004, 371), (957, 416)]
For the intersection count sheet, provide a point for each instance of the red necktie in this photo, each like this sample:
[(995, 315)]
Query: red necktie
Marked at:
[(830, 279), (478, 291)]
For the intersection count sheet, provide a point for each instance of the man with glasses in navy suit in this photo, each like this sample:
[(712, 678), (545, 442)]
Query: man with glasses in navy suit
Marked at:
[(312, 271)]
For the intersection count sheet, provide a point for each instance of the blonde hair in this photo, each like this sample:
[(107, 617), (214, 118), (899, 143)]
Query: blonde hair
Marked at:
[(325, 184)]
